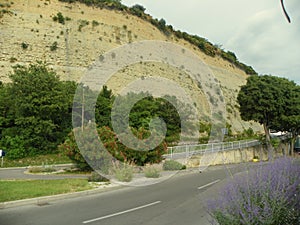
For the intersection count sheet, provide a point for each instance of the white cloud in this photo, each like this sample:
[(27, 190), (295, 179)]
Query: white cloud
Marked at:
[(255, 30), (269, 44)]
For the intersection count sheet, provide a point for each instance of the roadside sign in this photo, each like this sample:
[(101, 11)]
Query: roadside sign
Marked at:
[(2, 153)]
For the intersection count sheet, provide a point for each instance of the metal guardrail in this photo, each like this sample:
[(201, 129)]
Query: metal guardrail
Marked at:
[(186, 151)]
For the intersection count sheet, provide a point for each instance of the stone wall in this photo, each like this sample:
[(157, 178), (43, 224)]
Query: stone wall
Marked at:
[(233, 156)]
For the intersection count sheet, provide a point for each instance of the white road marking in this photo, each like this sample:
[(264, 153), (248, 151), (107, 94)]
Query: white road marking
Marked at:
[(120, 213), (209, 184)]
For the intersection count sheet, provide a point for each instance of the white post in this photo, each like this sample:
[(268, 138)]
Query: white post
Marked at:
[(186, 154), (82, 109), (2, 161)]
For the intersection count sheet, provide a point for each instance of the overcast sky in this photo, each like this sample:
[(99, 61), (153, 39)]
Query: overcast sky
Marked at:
[(255, 30)]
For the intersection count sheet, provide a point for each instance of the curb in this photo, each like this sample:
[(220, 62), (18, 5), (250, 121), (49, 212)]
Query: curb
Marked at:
[(26, 167), (46, 200)]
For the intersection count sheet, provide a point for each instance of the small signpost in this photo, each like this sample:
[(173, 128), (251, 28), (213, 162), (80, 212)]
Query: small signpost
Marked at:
[(2, 154)]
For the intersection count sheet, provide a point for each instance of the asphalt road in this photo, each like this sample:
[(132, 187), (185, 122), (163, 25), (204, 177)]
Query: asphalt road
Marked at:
[(179, 200)]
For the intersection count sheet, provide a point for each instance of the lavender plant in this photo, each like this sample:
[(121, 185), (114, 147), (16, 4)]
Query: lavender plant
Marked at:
[(266, 195)]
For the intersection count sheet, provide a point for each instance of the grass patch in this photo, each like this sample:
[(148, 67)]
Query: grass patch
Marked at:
[(38, 160), (11, 190)]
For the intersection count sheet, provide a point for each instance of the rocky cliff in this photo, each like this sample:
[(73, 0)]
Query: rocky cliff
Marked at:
[(69, 37)]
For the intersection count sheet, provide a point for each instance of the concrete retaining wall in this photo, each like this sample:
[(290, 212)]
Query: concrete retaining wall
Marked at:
[(233, 156)]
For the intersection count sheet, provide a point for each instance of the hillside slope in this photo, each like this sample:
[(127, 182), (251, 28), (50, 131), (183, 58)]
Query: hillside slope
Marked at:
[(71, 36)]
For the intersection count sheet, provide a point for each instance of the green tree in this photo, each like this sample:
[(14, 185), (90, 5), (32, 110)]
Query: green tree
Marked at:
[(6, 115), (36, 116), (290, 120), (147, 107), (264, 99), (103, 107), (169, 114), (137, 10)]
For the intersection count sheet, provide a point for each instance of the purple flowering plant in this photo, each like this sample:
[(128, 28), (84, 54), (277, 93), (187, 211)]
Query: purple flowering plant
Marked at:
[(267, 194)]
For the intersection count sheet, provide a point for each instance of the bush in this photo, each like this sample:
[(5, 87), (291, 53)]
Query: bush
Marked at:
[(132, 156), (24, 45), (269, 194), (173, 165), (14, 146), (95, 23), (96, 177), (124, 173), (53, 47), (151, 172), (82, 23), (59, 18), (137, 10)]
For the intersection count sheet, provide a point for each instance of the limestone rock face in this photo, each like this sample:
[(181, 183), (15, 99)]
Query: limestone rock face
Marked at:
[(70, 37)]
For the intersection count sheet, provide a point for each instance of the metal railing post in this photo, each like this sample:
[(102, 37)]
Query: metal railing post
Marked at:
[(186, 153)]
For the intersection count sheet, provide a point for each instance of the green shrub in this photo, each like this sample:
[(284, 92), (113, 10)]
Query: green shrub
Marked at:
[(137, 10), (13, 60), (59, 18), (82, 23), (53, 47), (24, 45), (96, 177), (15, 147), (173, 165), (95, 23), (124, 173), (151, 172)]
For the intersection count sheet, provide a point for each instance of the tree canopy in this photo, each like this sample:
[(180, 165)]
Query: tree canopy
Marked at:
[(35, 111), (271, 101)]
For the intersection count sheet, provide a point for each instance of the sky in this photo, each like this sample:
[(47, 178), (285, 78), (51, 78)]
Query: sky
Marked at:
[(255, 30)]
